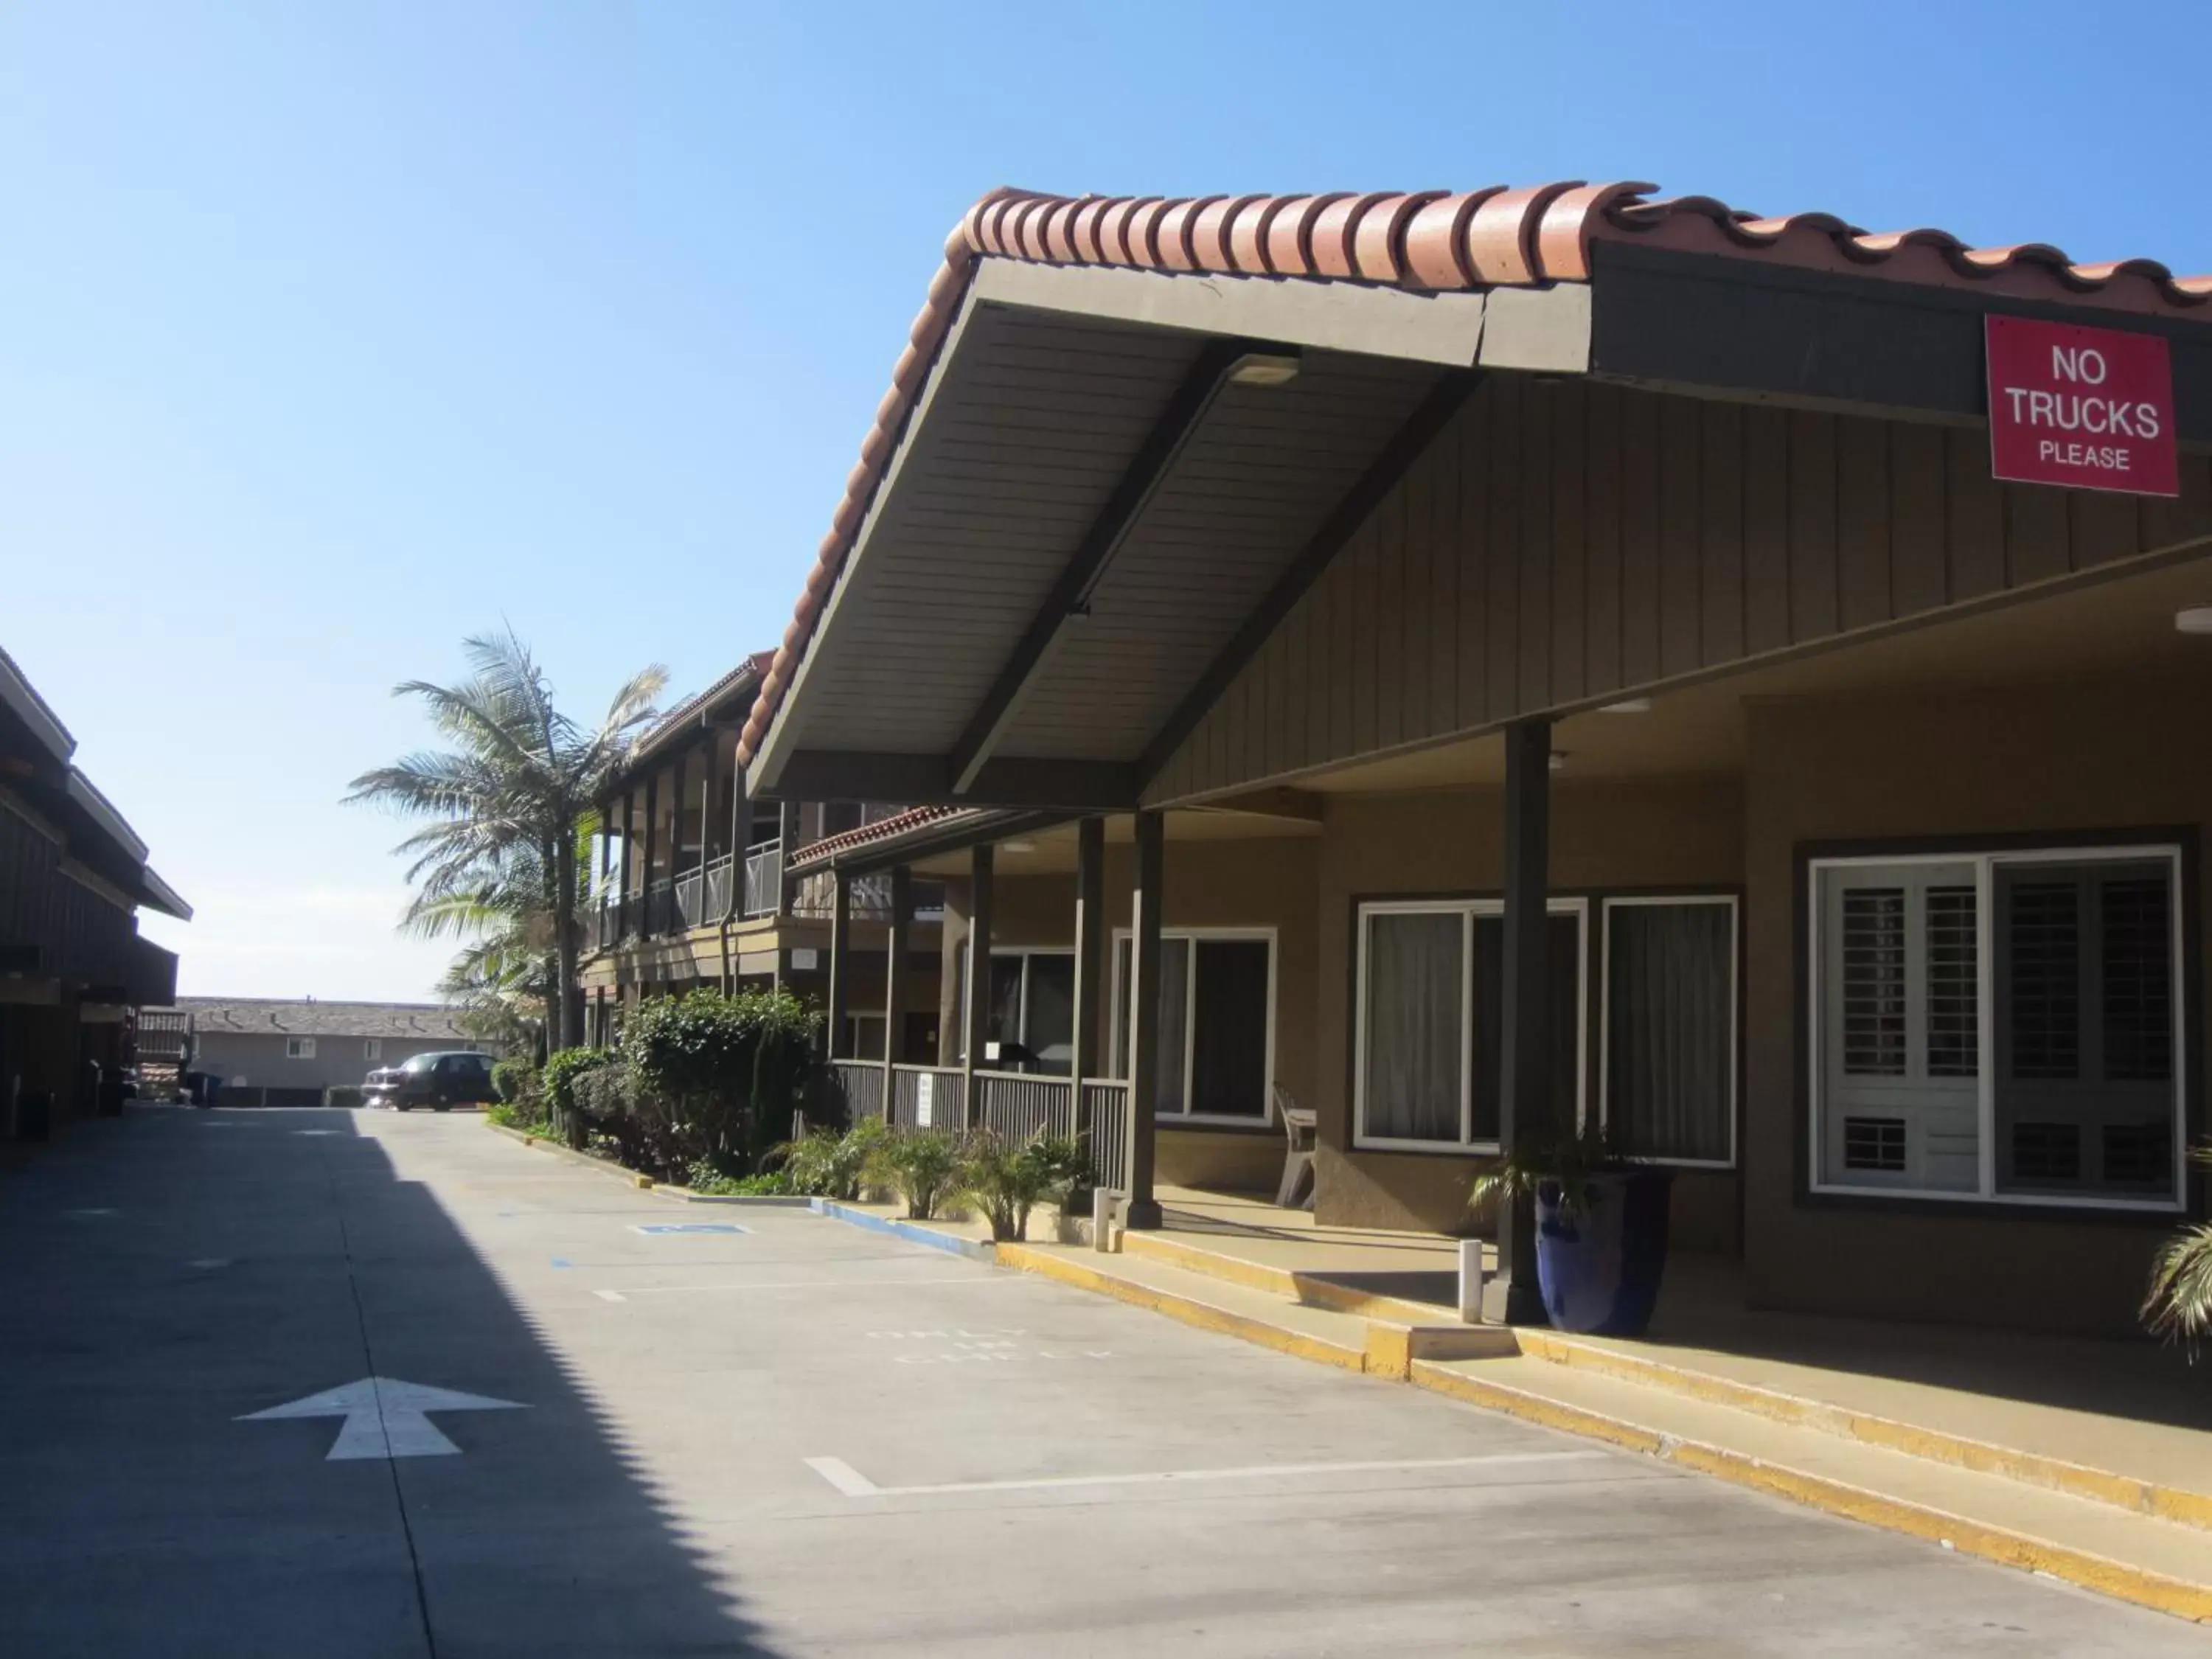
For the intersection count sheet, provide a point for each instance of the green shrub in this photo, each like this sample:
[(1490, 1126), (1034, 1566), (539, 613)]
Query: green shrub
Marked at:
[(514, 1081), (509, 1115), (344, 1095), (1005, 1180), (556, 1088), (705, 1178), (920, 1165), (832, 1163), (717, 1074)]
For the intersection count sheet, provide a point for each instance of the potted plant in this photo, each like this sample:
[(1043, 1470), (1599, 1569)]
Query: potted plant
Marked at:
[(1005, 1180), (1600, 1226), (2180, 1301)]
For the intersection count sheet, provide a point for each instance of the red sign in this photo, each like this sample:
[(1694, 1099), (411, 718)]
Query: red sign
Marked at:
[(2088, 407)]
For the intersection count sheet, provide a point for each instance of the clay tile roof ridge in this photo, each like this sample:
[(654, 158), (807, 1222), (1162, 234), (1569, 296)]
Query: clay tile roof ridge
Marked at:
[(1424, 240)]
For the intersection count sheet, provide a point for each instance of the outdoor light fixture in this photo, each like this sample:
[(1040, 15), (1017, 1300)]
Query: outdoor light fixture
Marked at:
[(1264, 368), (2194, 619), (1628, 706), (1559, 760)]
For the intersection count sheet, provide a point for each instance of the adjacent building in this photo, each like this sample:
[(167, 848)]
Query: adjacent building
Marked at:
[(74, 970), (281, 1052), (1471, 664)]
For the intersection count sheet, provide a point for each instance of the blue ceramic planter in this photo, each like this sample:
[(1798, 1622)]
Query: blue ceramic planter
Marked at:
[(1599, 1267)]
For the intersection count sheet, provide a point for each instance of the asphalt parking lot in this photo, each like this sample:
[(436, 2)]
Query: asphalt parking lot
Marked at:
[(327, 1383)]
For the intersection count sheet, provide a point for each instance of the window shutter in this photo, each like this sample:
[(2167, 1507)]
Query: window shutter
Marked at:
[(1953, 984), (2138, 979), (2044, 964), (1873, 981)]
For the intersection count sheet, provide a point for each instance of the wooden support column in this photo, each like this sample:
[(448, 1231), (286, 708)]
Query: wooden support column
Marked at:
[(895, 951), (788, 836), (1524, 1051), (841, 962), (708, 816), (741, 839), (628, 862), (1143, 1210), (975, 987), (652, 847), (1090, 994)]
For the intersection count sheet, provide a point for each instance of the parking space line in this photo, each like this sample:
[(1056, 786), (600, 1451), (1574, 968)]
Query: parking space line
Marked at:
[(795, 1284), (851, 1482)]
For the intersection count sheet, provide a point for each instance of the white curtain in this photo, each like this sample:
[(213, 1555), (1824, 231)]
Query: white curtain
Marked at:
[(1416, 1013), (1670, 1002)]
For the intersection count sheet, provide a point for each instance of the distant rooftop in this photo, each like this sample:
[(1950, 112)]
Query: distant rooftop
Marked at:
[(283, 1017)]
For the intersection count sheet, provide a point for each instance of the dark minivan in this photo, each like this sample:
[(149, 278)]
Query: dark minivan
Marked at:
[(437, 1080)]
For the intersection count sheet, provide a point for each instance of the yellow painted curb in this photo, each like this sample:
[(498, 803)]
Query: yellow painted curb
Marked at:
[(1189, 1309), (2096, 1572), (2030, 1468)]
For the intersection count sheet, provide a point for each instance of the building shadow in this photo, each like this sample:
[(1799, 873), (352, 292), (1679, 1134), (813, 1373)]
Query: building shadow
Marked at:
[(164, 1276)]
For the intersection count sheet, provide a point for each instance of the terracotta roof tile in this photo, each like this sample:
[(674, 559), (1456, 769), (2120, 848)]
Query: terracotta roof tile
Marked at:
[(1427, 241), (914, 817)]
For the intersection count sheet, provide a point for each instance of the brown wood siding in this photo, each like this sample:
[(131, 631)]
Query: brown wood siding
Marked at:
[(1566, 541)]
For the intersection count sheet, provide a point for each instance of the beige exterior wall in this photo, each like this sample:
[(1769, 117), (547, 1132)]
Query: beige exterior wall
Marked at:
[(2057, 758), (1686, 833), (1263, 882)]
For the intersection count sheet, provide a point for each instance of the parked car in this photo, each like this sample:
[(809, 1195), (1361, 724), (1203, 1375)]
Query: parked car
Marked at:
[(436, 1080)]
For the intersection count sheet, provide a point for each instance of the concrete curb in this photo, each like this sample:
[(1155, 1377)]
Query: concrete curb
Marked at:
[(2113, 1578), (974, 1248), (1308, 1289), (2127, 1493)]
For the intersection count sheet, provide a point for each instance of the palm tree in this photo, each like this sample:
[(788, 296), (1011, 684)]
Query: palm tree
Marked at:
[(2179, 1303), (509, 802)]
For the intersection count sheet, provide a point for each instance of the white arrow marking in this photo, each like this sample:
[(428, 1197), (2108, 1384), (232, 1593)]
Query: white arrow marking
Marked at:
[(385, 1418)]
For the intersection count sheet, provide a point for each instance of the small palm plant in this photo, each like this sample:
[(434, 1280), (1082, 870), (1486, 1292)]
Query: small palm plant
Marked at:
[(1005, 1180), (920, 1165), (2179, 1303)]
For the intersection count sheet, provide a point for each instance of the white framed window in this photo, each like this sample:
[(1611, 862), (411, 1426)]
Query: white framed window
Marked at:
[(1999, 1027), (1667, 1027), (1427, 1004), (372, 1049), (299, 1047), (1217, 1038), (1032, 1000)]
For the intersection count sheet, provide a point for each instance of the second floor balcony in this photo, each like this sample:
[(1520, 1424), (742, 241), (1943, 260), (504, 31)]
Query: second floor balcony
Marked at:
[(752, 889)]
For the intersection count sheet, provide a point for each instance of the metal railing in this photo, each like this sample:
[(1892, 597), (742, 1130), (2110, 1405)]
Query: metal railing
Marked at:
[(928, 1097), (717, 887), (688, 888), (1016, 1106), (857, 1086), (815, 894), (661, 908), (764, 880), (1108, 1104)]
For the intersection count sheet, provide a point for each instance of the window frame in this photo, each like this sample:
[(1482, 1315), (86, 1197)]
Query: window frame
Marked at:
[(372, 1047), (1468, 909), (1266, 935), (1734, 904), (299, 1047), (1021, 1007), (1985, 856)]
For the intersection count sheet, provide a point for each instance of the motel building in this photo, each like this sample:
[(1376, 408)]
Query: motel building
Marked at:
[(1457, 664)]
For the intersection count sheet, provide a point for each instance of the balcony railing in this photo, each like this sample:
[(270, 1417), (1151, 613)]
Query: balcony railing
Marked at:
[(858, 1086), (689, 887), (871, 898), (928, 1097), (661, 908), (717, 896), (764, 880)]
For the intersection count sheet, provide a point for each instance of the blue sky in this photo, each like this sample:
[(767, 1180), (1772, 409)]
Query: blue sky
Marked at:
[(331, 333)]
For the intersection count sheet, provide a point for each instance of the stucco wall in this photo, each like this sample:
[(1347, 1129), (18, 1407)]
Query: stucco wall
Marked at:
[(1673, 833), (2077, 757)]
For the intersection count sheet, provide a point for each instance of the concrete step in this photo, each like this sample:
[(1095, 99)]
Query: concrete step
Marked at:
[(1915, 1436), (1313, 1291), (2136, 1557), (1257, 1314)]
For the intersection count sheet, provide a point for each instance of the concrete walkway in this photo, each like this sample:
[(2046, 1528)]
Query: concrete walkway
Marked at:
[(799, 1438)]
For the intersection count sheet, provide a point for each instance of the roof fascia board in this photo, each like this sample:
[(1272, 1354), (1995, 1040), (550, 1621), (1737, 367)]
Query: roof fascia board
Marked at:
[(926, 781), (102, 812), (23, 700), (764, 776), (30, 815), (95, 883), (1541, 330), (1373, 321), (1715, 326), (162, 897)]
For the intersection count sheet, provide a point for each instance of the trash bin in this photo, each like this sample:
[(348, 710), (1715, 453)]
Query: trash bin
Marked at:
[(211, 1088), (34, 1114)]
